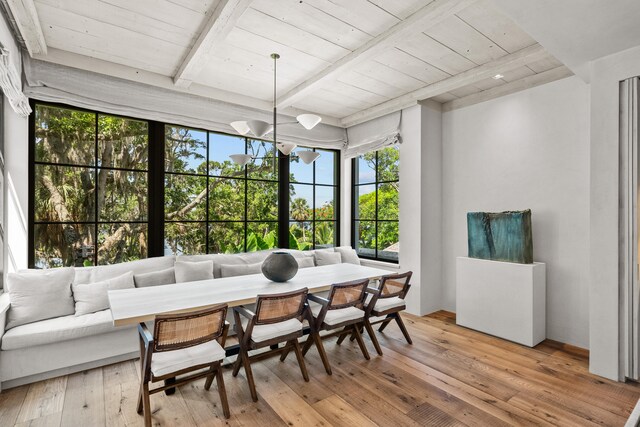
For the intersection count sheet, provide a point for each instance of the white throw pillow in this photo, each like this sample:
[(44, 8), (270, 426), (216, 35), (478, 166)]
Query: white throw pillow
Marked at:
[(156, 278), (92, 297), (328, 258), (39, 295), (193, 271), (230, 270), (348, 255), (306, 262)]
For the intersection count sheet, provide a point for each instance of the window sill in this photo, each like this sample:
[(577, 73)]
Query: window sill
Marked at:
[(375, 263)]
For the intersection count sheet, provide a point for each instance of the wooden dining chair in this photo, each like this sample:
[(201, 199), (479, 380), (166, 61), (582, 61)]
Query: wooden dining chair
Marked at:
[(343, 311), (180, 344), (388, 301), (278, 319)]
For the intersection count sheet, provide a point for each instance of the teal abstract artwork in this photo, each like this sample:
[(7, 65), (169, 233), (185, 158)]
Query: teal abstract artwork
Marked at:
[(500, 236)]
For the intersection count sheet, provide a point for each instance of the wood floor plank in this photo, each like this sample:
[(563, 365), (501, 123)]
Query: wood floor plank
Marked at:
[(423, 390), (84, 400), (595, 393), (383, 412), (450, 376), (591, 390), (428, 415), (471, 395), (284, 401), (121, 387), (11, 403), (243, 410), (170, 410), (50, 420), (312, 391), (554, 414), (42, 399), (339, 412), (477, 378), (204, 405)]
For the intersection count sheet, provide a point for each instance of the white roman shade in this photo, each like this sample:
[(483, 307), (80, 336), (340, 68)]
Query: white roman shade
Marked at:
[(10, 83), (374, 135), (57, 83)]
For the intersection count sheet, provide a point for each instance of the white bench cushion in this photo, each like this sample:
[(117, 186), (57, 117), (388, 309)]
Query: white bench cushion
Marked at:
[(327, 257), (266, 332), (348, 255), (339, 315), (39, 294), (384, 304), (104, 272), (193, 271), (58, 329), (166, 362), (306, 262), (232, 270), (93, 297)]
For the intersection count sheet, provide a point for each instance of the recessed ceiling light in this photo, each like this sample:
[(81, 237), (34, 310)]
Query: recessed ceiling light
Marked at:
[(498, 77)]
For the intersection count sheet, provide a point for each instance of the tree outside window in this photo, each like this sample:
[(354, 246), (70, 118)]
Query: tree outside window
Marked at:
[(376, 204)]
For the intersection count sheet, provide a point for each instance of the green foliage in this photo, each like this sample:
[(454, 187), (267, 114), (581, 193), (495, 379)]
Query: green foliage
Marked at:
[(206, 203), (73, 194), (386, 165)]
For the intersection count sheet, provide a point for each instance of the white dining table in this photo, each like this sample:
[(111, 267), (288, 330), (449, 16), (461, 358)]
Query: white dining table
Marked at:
[(132, 306)]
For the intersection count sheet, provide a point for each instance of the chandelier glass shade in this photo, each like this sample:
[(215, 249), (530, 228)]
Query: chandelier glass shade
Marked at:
[(259, 128), (308, 156)]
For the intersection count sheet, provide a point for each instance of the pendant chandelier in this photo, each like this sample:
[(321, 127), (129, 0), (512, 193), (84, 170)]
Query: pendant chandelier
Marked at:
[(259, 128)]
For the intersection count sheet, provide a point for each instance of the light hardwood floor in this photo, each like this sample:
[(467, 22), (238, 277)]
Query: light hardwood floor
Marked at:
[(451, 376)]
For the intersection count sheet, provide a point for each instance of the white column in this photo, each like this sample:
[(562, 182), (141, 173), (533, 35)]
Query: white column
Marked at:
[(420, 205)]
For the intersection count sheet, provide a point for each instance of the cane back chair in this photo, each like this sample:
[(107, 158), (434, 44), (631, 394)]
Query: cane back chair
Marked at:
[(387, 301), (182, 344), (342, 312), (278, 319)]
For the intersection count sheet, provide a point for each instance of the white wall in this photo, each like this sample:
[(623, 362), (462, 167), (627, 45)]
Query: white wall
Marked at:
[(420, 198), (16, 152), (526, 150), (410, 225)]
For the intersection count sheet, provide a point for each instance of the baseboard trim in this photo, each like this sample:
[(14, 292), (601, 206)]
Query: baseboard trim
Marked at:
[(634, 418), (67, 370)]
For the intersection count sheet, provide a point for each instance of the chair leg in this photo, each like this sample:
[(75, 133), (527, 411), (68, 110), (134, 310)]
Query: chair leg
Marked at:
[(171, 390), (146, 404), (353, 337), (308, 343), (223, 393), (385, 323), (285, 351), (247, 370), (343, 335), (140, 394), (403, 328), (373, 337), (237, 364), (303, 367), (209, 381), (363, 349), (323, 354)]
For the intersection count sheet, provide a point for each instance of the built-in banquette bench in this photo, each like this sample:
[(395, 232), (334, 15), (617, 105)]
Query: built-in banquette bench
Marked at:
[(54, 322)]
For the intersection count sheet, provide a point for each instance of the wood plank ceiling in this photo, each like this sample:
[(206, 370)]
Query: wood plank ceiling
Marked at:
[(347, 60)]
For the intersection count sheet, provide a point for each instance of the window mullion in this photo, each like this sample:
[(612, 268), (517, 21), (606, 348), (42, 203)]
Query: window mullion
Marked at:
[(96, 192)]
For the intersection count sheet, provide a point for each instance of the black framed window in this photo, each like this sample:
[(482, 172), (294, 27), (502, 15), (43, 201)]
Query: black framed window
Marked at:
[(106, 189), (90, 198), (375, 213), (212, 205), (313, 201)]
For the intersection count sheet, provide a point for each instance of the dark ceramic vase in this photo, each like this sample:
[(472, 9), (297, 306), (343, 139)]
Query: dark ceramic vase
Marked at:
[(279, 266)]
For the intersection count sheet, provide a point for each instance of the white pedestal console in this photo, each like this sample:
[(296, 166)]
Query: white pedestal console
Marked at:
[(504, 299)]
